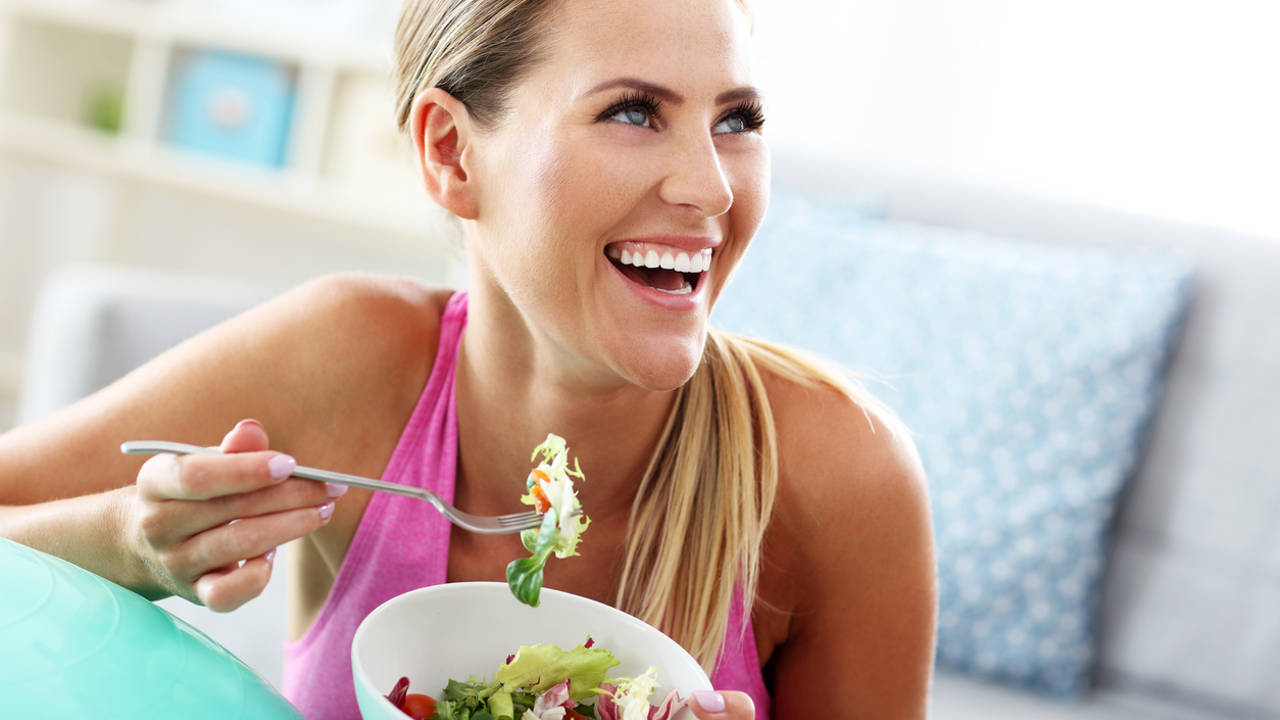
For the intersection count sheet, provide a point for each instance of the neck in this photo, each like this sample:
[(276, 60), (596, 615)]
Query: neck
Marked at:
[(514, 388)]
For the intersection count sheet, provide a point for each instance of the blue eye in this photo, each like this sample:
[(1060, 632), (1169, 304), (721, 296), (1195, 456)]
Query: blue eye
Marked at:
[(634, 115), (731, 124), (746, 117)]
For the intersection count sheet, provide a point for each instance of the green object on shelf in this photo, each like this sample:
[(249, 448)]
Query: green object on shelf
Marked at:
[(106, 110), (77, 646)]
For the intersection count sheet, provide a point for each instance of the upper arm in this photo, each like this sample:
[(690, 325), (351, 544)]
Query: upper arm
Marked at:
[(284, 362), (854, 500)]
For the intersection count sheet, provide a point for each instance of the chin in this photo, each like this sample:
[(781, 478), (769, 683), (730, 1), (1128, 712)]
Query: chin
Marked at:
[(664, 366)]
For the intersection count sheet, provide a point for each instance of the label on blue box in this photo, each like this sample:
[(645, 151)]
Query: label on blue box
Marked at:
[(232, 106)]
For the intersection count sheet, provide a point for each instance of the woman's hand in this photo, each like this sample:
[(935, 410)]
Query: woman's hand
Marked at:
[(207, 526), (716, 705)]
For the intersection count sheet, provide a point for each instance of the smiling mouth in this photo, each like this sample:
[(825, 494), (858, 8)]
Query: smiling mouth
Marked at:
[(674, 273)]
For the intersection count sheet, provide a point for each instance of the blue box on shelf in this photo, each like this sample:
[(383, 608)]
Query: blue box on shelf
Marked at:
[(236, 107)]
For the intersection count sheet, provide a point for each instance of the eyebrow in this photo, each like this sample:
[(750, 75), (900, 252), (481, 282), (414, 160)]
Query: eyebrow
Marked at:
[(667, 94)]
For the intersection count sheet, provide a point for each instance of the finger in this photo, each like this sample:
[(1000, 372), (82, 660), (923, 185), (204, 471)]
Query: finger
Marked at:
[(199, 477), (228, 544), (710, 704), (248, 435), (228, 588), (172, 521)]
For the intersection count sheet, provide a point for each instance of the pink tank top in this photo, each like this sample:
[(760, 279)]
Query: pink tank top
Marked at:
[(388, 556)]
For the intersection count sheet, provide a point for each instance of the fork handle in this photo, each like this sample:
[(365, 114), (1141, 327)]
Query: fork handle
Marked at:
[(154, 447)]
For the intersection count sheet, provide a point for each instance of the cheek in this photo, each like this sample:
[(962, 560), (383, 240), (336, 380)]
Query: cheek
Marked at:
[(585, 190), (557, 201), (749, 179)]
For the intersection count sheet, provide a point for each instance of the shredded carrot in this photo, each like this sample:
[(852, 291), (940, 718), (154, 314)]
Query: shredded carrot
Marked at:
[(544, 503)]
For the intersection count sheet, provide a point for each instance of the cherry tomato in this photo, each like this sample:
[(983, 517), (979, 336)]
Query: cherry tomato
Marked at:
[(571, 714), (418, 707)]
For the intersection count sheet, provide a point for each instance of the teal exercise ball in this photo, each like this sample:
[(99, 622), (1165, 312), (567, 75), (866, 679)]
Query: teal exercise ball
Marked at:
[(75, 645)]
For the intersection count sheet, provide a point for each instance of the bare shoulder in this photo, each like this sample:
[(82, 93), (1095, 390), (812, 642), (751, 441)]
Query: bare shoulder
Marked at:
[(843, 460), (355, 342), (386, 312), (849, 555)]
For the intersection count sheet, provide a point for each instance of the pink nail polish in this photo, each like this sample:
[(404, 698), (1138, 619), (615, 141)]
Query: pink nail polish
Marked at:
[(281, 466), (712, 702), (326, 511), (271, 555), (335, 490)]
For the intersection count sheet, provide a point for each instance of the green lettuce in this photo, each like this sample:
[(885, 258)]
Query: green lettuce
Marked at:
[(536, 668), (474, 700)]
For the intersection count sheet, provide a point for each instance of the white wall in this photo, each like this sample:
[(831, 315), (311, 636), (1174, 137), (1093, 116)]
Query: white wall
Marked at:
[(1162, 107)]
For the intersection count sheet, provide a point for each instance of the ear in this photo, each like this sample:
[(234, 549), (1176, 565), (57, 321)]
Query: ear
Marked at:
[(440, 126)]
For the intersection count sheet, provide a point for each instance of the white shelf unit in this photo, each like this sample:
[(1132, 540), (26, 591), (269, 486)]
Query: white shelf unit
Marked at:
[(344, 161)]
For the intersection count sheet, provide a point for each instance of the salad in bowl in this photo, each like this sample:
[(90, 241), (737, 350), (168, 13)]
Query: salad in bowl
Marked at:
[(525, 687), (464, 650)]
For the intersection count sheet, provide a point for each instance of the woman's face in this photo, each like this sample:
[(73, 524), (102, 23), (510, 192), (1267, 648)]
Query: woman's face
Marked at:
[(634, 141)]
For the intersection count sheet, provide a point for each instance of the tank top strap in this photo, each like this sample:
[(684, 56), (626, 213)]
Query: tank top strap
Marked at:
[(738, 664)]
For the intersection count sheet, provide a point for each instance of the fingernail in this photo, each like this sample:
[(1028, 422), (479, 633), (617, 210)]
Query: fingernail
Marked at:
[(710, 701), (281, 466), (335, 490), (326, 511), (247, 421), (271, 555)]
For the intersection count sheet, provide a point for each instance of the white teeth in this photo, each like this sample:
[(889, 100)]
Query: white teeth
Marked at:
[(685, 262)]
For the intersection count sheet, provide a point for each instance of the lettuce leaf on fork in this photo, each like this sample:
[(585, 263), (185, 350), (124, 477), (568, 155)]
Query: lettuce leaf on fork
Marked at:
[(549, 489)]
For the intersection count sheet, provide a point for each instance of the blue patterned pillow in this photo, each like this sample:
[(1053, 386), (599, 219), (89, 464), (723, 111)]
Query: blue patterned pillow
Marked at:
[(1027, 375)]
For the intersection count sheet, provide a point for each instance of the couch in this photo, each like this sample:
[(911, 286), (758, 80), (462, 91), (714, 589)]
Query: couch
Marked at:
[(1182, 623)]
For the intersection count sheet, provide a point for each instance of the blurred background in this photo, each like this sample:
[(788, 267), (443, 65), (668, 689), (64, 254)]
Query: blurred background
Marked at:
[(254, 139)]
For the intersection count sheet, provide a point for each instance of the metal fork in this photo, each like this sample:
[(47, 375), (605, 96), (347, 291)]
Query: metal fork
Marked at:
[(485, 524)]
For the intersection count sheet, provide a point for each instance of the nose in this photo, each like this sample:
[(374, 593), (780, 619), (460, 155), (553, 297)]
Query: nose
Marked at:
[(696, 179)]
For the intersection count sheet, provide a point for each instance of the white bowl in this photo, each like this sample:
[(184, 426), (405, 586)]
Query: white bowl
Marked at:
[(458, 630)]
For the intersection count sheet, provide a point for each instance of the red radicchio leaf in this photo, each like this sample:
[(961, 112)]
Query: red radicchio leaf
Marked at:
[(556, 696), (606, 707), (589, 642), (669, 706), (399, 692)]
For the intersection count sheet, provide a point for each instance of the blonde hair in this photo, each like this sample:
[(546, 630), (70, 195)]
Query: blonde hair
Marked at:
[(475, 50), (711, 482), (710, 486)]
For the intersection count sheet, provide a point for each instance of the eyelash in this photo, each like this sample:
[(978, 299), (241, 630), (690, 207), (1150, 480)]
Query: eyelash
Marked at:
[(750, 111), (634, 98)]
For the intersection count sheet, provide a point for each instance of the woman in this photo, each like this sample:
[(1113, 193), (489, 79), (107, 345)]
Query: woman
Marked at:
[(762, 511)]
